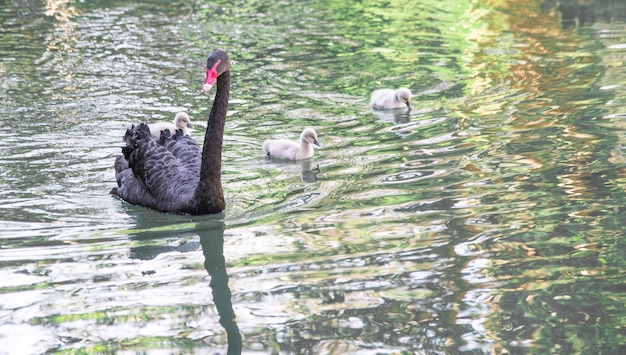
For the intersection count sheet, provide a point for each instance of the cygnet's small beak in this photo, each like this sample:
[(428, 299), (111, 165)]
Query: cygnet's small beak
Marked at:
[(189, 125), (408, 104), (317, 143)]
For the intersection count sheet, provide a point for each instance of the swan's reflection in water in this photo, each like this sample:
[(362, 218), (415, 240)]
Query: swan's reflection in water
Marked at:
[(307, 167), (212, 241), (210, 229)]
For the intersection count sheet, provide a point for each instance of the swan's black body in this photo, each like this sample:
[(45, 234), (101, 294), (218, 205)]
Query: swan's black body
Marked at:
[(172, 174)]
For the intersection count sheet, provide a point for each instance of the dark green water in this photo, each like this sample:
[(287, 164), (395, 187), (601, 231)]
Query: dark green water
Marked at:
[(488, 221)]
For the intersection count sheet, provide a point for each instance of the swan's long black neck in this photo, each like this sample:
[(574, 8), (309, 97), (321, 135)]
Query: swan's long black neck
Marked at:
[(209, 194)]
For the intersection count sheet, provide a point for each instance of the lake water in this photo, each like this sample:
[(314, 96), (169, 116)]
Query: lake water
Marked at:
[(488, 220)]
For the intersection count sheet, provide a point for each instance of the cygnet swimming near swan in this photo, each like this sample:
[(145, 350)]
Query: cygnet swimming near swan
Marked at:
[(389, 99), (181, 121), (286, 149)]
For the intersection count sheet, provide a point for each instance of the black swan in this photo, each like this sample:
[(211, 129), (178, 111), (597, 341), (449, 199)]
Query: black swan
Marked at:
[(389, 98), (285, 149), (181, 121), (172, 174)]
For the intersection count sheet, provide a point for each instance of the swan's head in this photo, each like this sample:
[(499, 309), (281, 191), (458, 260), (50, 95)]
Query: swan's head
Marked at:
[(309, 136), (404, 95), (182, 120), (216, 64)]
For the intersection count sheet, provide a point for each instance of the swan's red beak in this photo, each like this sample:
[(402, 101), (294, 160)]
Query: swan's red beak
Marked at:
[(211, 76)]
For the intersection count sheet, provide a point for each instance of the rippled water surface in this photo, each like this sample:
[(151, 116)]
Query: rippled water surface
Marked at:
[(489, 219)]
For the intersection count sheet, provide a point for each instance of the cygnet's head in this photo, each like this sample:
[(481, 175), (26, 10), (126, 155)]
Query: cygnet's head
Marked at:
[(309, 136), (182, 121), (404, 95)]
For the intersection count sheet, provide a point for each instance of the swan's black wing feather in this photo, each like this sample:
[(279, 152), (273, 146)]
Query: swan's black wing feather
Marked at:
[(129, 187), (186, 151), (165, 171)]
